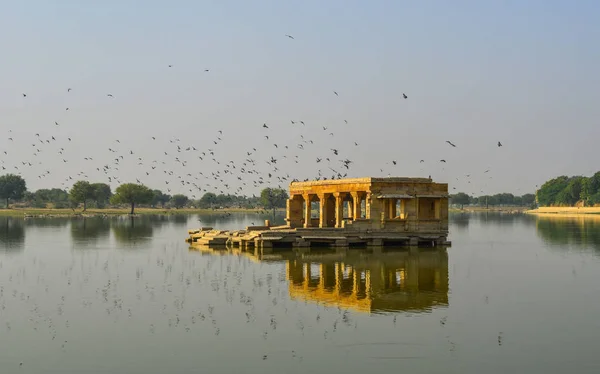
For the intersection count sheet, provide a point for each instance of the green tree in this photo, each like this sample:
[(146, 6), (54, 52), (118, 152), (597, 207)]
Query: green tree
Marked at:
[(574, 190), (590, 187), (547, 194), (528, 199), (59, 198), (208, 200), (102, 194), (179, 200), (131, 193), (461, 199), (12, 187), (594, 199), (82, 192), (272, 198), (159, 198), (30, 198)]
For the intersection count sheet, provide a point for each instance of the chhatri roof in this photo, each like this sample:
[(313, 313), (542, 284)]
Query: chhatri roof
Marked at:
[(370, 180)]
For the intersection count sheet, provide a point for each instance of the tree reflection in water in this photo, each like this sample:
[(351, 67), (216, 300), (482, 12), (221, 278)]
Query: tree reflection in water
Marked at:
[(572, 232), (133, 230), (12, 234), (85, 231)]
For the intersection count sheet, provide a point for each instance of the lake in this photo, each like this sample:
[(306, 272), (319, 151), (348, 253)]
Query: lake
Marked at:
[(116, 295)]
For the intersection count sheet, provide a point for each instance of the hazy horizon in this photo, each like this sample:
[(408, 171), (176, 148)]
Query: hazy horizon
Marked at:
[(475, 73)]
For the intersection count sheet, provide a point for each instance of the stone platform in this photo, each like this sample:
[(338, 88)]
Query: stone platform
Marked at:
[(266, 239)]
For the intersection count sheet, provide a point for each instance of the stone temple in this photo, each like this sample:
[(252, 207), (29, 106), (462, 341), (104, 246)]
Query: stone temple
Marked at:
[(361, 212)]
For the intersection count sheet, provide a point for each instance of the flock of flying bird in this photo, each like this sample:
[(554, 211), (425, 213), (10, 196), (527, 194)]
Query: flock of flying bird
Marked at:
[(183, 165)]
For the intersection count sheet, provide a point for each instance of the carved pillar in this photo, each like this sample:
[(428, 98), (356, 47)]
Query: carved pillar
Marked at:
[(339, 209), (418, 203), (356, 204), (392, 208), (307, 211), (294, 211), (323, 210)]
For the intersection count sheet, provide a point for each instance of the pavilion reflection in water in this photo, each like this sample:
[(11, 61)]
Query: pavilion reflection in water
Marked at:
[(387, 282), (378, 282)]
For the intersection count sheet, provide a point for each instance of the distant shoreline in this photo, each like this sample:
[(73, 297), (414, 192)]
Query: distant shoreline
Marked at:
[(476, 209), (49, 213), (564, 211)]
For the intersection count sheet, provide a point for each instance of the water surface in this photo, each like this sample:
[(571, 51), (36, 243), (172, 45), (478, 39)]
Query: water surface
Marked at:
[(514, 292)]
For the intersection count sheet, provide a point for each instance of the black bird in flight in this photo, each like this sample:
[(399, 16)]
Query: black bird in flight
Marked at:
[(449, 142), (109, 95), (499, 144), (24, 95), (404, 95), (336, 94), (265, 126), (442, 160), (394, 162), (289, 36)]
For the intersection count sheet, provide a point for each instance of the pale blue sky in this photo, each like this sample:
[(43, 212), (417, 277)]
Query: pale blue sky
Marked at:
[(476, 72)]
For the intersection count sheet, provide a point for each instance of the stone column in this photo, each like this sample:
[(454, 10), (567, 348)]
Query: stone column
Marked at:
[(351, 209), (307, 211), (294, 211), (339, 209), (356, 204), (392, 206), (323, 210)]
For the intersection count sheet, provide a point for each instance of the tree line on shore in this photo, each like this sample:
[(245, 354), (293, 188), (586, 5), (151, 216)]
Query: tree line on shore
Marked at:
[(560, 191), (570, 191), (13, 189), (502, 199)]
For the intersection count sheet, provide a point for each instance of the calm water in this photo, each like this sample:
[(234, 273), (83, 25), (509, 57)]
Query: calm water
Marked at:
[(119, 296)]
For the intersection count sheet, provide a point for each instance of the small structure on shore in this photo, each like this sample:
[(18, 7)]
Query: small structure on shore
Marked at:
[(349, 212)]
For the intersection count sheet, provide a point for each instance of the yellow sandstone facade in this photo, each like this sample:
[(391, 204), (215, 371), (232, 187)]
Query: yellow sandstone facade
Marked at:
[(349, 212), (405, 204)]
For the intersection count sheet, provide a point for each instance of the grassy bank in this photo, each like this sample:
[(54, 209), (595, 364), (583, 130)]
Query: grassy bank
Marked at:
[(474, 209), (566, 211), (23, 212)]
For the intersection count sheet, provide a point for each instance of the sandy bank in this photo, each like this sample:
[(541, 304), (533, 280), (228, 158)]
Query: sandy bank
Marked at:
[(564, 211)]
